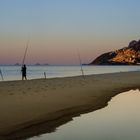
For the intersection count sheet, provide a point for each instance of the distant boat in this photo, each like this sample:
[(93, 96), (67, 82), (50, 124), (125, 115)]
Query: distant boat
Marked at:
[(17, 64), (37, 64)]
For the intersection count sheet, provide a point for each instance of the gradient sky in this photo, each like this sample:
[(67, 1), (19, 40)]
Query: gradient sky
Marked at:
[(57, 28)]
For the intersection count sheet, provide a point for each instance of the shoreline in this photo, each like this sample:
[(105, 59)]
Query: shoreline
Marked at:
[(38, 106)]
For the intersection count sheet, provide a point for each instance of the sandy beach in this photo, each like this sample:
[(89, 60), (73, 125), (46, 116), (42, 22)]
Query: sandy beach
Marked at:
[(33, 107)]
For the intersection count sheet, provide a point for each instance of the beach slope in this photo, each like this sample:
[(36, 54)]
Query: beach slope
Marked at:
[(34, 107)]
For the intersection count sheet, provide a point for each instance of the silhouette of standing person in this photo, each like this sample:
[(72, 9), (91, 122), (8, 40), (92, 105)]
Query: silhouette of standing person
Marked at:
[(23, 70)]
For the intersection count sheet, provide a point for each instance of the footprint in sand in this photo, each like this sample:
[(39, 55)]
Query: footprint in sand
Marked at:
[(23, 92)]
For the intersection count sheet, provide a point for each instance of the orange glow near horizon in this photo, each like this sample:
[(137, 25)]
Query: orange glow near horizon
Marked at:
[(56, 29), (59, 50)]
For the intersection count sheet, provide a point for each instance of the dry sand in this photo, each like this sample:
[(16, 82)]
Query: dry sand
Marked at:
[(33, 107)]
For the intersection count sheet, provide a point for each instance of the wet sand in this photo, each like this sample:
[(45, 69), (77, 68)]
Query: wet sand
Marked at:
[(33, 107)]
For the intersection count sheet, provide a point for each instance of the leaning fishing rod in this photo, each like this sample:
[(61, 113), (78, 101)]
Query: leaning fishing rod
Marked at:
[(80, 61), (1, 75), (24, 57)]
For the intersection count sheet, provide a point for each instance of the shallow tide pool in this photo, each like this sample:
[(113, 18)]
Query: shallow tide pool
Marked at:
[(120, 120)]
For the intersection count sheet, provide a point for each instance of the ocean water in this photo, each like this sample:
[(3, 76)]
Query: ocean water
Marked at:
[(120, 120), (34, 72)]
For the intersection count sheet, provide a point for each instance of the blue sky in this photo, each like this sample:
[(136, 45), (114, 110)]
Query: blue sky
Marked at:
[(60, 26)]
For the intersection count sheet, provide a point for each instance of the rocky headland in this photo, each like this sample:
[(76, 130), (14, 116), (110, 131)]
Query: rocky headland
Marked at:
[(126, 56)]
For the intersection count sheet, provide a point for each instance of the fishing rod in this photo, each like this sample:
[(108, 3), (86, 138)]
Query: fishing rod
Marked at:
[(1, 75), (79, 57), (27, 46)]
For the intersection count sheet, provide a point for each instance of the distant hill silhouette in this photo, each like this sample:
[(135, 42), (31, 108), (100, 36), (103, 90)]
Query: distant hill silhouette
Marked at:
[(39, 64), (126, 56)]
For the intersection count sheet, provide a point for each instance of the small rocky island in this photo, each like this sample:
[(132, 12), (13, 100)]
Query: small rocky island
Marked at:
[(126, 56)]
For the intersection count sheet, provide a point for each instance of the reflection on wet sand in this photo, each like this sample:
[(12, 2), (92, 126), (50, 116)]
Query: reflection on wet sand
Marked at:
[(117, 121), (49, 126)]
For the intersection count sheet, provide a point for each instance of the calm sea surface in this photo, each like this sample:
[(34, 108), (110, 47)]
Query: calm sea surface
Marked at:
[(120, 120), (33, 72)]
